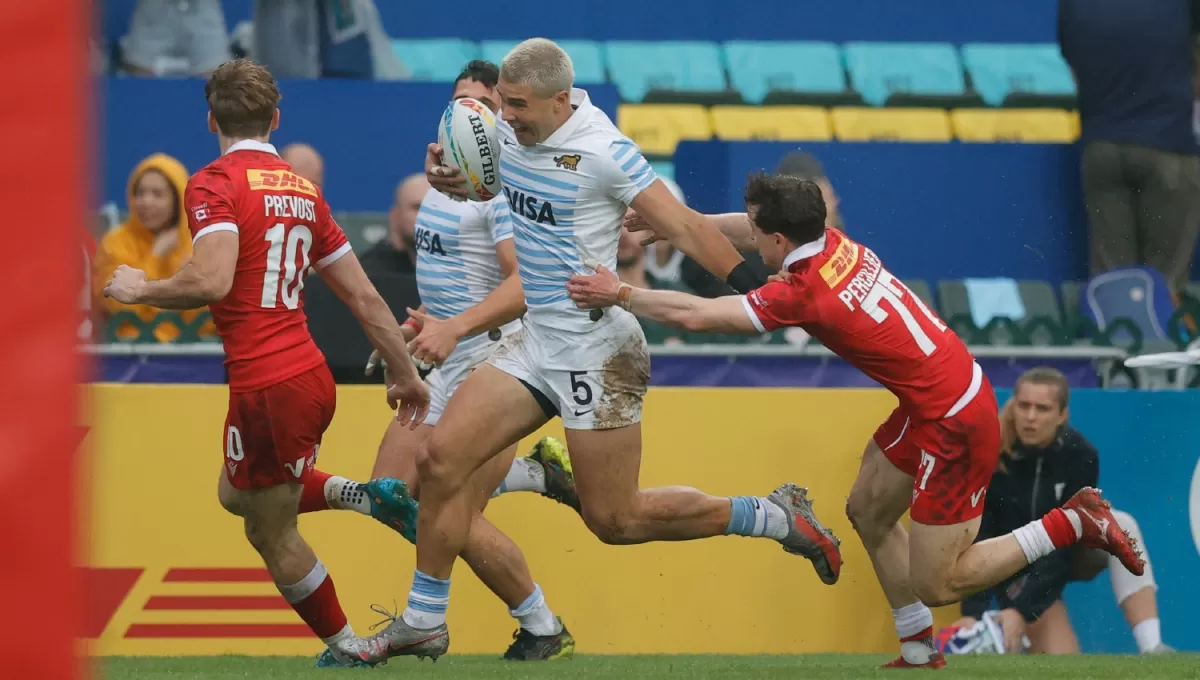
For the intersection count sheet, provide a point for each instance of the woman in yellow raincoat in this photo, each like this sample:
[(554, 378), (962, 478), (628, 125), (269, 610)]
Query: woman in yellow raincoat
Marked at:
[(155, 239)]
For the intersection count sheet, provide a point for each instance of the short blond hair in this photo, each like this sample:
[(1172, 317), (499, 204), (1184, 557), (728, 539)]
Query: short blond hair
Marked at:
[(540, 64)]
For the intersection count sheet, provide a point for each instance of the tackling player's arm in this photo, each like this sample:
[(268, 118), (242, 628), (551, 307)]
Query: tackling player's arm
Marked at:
[(726, 314), (205, 279), (700, 237)]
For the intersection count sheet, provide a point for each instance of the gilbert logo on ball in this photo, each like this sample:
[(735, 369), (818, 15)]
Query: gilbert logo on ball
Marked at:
[(467, 135)]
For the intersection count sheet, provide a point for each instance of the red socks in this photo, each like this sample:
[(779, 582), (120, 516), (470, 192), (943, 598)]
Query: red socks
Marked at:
[(315, 599), (313, 497), (1058, 526)]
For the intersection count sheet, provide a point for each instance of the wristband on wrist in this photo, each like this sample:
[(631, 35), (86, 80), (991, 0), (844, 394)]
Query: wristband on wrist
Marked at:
[(624, 295), (744, 279), (414, 324)]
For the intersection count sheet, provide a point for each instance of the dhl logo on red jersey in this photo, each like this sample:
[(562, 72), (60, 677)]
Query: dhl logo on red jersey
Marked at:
[(840, 264), (278, 180)]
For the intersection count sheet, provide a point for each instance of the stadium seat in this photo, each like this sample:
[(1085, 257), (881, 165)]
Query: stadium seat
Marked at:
[(658, 128), (757, 69), (438, 60), (687, 68), (858, 124), (1071, 292), (1037, 297), (783, 123), (998, 71), (880, 70), (586, 56), (1040, 126), (921, 289), (363, 230)]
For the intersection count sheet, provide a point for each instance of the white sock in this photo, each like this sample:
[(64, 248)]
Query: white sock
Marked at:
[(1035, 541), (423, 620), (776, 520), (1148, 635), (345, 633), (346, 494), (912, 619), (524, 475), (535, 616)]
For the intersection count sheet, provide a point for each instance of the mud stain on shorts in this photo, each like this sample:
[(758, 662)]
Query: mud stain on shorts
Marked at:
[(507, 346), (625, 376)]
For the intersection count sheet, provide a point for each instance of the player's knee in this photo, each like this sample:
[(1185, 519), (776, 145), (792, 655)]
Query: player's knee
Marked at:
[(260, 536), (433, 463), (935, 594), (612, 527), (864, 520)]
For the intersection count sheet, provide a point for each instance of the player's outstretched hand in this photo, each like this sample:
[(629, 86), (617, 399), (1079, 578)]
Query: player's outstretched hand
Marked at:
[(597, 290), (635, 223), (409, 396), (435, 342), (778, 277), (443, 178), (125, 286)]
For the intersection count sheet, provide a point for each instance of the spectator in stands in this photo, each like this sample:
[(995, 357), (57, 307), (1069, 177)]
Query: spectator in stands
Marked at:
[(305, 160), (168, 38), (1043, 463), (1134, 68), (806, 166), (397, 253), (154, 239), (323, 39)]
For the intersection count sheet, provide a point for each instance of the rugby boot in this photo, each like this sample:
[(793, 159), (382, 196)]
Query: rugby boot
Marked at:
[(551, 455), (1100, 529), (392, 505), (529, 647), (806, 536)]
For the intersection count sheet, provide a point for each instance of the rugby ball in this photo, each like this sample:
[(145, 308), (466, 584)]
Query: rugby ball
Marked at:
[(468, 139)]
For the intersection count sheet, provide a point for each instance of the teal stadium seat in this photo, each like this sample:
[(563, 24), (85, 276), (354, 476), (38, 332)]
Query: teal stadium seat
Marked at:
[(439, 60), (587, 57), (880, 70), (664, 169), (684, 67), (998, 71), (758, 69)]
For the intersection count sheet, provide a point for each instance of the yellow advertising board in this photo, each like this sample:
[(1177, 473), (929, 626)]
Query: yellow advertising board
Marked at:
[(170, 572)]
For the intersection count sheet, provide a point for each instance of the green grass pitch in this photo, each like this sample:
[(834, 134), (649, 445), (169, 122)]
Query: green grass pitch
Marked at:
[(841, 666)]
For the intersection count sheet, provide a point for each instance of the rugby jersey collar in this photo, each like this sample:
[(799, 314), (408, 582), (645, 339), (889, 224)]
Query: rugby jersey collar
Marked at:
[(583, 109), (252, 145), (811, 249)]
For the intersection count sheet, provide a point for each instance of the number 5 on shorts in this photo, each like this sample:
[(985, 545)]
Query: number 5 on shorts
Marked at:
[(580, 390), (927, 462)]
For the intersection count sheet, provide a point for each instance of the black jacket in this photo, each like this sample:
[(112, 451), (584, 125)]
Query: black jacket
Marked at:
[(1025, 486)]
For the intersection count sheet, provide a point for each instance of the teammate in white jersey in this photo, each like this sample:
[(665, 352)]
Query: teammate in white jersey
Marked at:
[(471, 299), (569, 175)]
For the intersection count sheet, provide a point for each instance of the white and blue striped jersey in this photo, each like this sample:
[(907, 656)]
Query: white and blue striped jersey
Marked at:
[(456, 251), (568, 197)]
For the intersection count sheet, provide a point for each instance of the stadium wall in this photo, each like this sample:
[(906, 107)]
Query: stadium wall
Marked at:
[(170, 573), (946, 20)]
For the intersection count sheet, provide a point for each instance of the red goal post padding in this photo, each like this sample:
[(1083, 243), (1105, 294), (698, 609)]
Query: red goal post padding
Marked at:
[(44, 184)]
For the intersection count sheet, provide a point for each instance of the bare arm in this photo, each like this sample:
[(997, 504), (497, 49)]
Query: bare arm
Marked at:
[(736, 228), (505, 303), (727, 314), (696, 235), (205, 279), (348, 280), (696, 314)]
